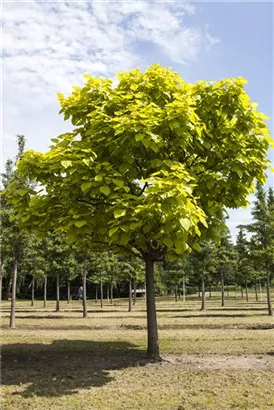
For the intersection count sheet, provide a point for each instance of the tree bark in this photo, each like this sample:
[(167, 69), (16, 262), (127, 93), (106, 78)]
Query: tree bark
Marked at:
[(176, 294), (8, 290), (13, 295), (227, 291), (84, 284), (102, 292), (45, 291), (130, 296), (57, 293), (210, 290), (152, 330), (246, 291), (111, 293), (260, 289), (107, 293), (1, 281), (96, 294), (223, 286), (256, 291), (134, 291), (68, 291), (242, 292), (269, 301), (32, 291), (184, 290), (203, 293), (235, 290)]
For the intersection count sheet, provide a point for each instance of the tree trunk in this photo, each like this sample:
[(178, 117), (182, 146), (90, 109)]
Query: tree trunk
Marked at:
[(32, 291), (84, 284), (223, 286), (13, 295), (199, 294), (176, 294), (152, 330), (8, 290), (256, 291), (184, 290), (45, 291), (242, 292), (68, 291), (134, 291), (96, 294), (111, 293), (102, 294), (210, 291), (235, 290), (203, 293), (107, 293), (227, 291), (269, 301), (260, 289), (57, 293), (1, 281), (130, 296), (246, 291)]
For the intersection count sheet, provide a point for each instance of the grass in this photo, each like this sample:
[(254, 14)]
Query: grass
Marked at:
[(222, 358)]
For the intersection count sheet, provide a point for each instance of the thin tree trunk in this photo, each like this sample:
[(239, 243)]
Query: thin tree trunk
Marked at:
[(134, 291), (242, 292), (68, 291), (1, 281), (223, 286), (57, 293), (96, 294), (256, 291), (8, 289), (246, 291), (227, 291), (184, 290), (84, 284), (152, 330), (260, 290), (130, 296), (102, 290), (269, 301), (32, 291), (210, 290), (199, 294), (107, 293), (203, 293), (235, 290), (13, 295), (45, 291), (111, 293), (176, 294)]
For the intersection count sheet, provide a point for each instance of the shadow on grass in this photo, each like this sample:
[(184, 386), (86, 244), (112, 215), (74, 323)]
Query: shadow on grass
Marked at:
[(65, 366)]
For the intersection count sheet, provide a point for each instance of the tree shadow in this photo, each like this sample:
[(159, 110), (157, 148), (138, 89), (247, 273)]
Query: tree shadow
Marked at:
[(64, 366)]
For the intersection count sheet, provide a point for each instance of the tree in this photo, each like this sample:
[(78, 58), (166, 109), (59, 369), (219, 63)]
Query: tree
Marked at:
[(149, 167)]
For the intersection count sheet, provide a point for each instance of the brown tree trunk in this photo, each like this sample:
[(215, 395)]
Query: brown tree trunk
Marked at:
[(269, 300), (134, 291), (176, 294), (227, 291), (107, 293), (102, 292), (32, 291), (152, 330), (246, 291), (96, 294), (7, 292), (260, 290), (111, 293), (13, 295), (210, 295), (130, 296), (45, 291), (1, 281), (223, 286), (242, 292), (203, 293), (256, 291), (84, 284), (235, 290), (184, 290), (57, 293), (68, 291)]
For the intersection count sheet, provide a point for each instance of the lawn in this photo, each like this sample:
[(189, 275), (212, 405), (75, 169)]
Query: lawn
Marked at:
[(222, 358)]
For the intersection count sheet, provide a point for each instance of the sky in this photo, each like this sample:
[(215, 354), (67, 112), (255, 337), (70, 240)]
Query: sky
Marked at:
[(48, 46)]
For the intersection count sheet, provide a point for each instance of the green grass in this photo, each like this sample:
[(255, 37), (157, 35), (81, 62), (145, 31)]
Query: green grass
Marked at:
[(222, 358)]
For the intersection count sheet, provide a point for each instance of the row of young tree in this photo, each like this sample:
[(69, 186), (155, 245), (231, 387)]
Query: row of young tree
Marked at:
[(29, 261)]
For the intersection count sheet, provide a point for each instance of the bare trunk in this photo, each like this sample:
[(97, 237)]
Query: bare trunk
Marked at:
[(45, 291), (210, 295), (176, 294), (13, 295), (96, 294), (7, 292), (130, 296), (227, 291), (235, 290), (203, 293), (242, 292), (107, 293), (260, 290), (1, 281), (152, 331), (134, 291), (246, 291), (32, 291), (199, 294), (256, 291), (84, 284), (269, 301), (68, 291), (57, 293), (223, 286), (111, 293), (102, 294), (184, 290)]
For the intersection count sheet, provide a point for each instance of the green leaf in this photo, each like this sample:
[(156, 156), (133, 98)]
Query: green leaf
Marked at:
[(112, 231), (118, 182), (119, 212), (168, 242), (85, 186), (22, 191), (105, 190), (98, 177), (66, 164), (79, 224), (125, 238), (139, 137), (185, 223)]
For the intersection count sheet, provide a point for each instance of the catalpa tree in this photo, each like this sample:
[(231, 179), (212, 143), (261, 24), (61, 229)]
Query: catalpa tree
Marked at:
[(148, 169)]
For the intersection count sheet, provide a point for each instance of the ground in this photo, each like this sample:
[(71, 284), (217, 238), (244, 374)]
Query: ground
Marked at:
[(219, 359)]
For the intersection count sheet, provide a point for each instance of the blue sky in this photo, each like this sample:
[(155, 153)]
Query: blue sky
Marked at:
[(47, 47)]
